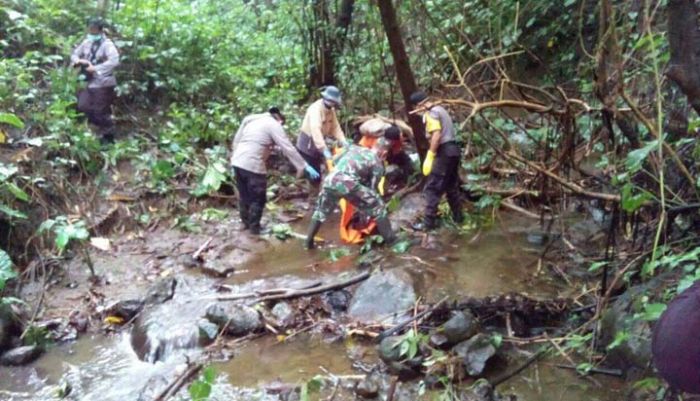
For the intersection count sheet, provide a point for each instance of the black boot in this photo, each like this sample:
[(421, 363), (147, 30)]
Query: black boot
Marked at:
[(313, 230), (458, 217), (245, 216), (255, 212), (385, 230)]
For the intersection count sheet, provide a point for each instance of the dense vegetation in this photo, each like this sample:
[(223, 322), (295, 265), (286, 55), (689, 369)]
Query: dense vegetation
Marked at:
[(574, 98)]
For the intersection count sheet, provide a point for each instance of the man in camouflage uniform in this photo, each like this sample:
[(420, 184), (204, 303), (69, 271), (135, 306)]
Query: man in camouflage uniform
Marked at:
[(355, 177)]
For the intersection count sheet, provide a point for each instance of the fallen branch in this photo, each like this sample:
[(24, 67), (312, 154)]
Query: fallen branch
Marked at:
[(529, 361), (525, 212), (289, 293), (602, 371), (425, 314), (179, 382)]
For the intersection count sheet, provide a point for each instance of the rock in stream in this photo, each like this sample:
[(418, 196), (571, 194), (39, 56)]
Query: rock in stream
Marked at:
[(383, 296)]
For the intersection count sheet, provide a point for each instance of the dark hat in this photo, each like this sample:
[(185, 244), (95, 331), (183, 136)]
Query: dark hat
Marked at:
[(418, 97), (276, 111), (332, 94), (393, 133)]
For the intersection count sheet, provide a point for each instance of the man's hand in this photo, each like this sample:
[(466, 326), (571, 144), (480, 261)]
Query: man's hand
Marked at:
[(312, 173), (91, 69), (428, 163), (82, 61)]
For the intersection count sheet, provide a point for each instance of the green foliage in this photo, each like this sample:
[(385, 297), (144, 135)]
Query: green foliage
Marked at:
[(310, 387), (409, 346), (282, 231), (336, 254), (65, 231), (200, 389), (401, 246), (7, 271), (11, 119)]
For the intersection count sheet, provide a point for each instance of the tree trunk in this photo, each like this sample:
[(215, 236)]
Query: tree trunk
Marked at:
[(404, 74), (684, 40), (330, 39)]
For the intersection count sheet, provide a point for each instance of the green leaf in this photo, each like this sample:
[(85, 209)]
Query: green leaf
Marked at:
[(7, 271), (620, 338), (11, 119), (199, 390), (636, 158), (12, 212), (209, 374), (314, 385), (7, 171), (401, 246), (631, 202), (652, 312), (497, 339), (17, 191), (597, 266)]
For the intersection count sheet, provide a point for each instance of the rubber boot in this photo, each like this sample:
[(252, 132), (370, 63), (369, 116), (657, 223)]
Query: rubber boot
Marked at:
[(310, 236), (245, 216), (385, 230), (255, 212)]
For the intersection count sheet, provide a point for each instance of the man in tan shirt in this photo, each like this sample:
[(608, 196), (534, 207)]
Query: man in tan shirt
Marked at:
[(252, 145), (319, 122)]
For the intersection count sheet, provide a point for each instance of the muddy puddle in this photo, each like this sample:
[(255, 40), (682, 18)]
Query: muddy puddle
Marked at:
[(491, 261)]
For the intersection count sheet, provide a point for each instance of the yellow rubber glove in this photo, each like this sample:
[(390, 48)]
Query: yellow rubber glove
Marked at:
[(329, 165), (382, 184), (428, 163)]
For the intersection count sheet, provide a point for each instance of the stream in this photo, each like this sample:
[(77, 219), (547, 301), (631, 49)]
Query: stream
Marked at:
[(105, 367)]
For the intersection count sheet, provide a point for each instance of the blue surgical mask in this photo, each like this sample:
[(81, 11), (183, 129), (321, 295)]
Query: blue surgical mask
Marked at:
[(94, 37)]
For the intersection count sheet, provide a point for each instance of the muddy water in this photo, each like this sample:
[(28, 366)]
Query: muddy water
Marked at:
[(492, 261)]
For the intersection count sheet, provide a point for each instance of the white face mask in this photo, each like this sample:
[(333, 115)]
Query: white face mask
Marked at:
[(329, 104)]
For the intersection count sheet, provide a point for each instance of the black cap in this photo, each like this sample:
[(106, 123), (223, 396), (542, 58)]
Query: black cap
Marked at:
[(417, 97), (392, 133), (276, 111), (96, 23)]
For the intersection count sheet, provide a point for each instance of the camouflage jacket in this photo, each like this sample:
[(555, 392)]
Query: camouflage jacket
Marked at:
[(358, 164)]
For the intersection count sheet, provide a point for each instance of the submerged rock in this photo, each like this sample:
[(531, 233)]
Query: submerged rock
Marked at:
[(235, 320), (21, 355), (461, 326), (475, 353), (383, 296)]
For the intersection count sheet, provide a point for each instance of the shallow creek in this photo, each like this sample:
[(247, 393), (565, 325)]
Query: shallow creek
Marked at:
[(493, 261)]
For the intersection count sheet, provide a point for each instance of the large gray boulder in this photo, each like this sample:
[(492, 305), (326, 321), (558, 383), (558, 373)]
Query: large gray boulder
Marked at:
[(382, 297)]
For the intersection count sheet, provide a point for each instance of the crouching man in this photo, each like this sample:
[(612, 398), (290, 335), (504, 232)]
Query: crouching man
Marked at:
[(252, 145), (355, 177)]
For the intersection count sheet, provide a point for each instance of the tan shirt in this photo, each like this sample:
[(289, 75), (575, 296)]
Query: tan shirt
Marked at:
[(254, 141), (106, 60), (320, 122)]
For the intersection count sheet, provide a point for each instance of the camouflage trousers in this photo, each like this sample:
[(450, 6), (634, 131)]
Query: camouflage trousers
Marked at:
[(337, 186)]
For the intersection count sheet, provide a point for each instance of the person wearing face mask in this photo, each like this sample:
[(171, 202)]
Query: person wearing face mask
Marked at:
[(319, 122), (256, 137), (97, 57)]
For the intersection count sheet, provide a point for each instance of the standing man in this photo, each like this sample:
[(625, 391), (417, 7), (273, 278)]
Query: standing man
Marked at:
[(319, 122), (355, 177), (252, 145), (441, 164), (97, 58)]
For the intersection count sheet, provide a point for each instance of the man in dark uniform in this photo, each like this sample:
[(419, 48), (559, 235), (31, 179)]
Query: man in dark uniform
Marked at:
[(441, 164)]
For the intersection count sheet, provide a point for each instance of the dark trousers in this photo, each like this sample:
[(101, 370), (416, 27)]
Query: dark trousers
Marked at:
[(96, 103), (444, 180), (252, 195)]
